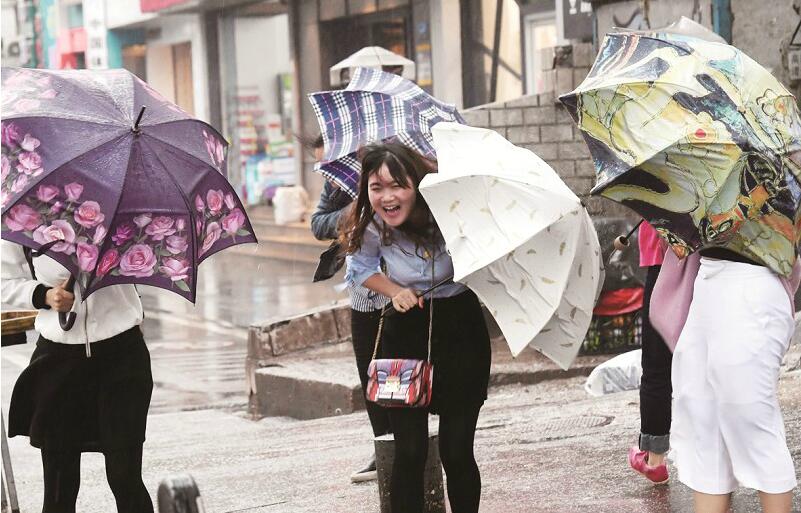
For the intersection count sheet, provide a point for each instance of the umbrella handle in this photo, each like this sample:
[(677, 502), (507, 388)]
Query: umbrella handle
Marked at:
[(67, 319), (390, 310), (622, 241)]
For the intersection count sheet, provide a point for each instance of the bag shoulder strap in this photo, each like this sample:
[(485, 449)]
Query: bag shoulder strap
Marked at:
[(430, 318), (29, 258)]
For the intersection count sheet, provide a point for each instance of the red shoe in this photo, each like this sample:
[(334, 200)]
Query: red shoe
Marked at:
[(638, 460)]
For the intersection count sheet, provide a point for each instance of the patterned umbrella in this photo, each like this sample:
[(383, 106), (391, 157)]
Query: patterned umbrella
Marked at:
[(375, 106), (121, 185), (697, 138), (519, 238)]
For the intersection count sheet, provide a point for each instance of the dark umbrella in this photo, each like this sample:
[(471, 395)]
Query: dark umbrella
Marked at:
[(376, 106), (117, 183)]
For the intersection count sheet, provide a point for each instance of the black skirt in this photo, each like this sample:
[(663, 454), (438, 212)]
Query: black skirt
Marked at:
[(460, 348), (65, 401)]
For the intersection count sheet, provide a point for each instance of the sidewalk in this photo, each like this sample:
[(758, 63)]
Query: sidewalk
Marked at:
[(544, 448)]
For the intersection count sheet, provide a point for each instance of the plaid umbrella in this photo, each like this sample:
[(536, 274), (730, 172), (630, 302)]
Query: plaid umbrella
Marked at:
[(698, 139), (375, 106)]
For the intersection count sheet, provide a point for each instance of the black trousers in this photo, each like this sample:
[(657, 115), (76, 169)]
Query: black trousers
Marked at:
[(62, 479), (655, 386), (364, 327)]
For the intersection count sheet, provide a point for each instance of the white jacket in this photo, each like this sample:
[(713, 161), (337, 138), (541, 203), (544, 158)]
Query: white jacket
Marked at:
[(107, 312)]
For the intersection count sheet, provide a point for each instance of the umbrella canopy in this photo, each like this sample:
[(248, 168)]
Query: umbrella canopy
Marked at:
[(116, 199), (375, 106), (697, 138), (372, 57), (519, 238), (683, 28)]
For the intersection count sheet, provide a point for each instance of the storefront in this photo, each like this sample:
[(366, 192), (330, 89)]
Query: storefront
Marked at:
[(256, 98)]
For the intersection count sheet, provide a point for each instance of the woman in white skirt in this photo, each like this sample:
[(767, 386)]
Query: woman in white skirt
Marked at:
[(728, 429)]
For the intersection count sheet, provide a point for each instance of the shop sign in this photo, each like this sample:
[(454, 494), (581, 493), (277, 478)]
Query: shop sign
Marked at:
[(157, 5), (94, 16)]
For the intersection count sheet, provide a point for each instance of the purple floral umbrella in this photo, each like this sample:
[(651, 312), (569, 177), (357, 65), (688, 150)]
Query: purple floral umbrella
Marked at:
[(115, 183)]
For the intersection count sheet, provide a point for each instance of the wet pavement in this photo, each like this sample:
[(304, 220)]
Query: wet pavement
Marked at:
[(545, 448), (198, 351), (542, 448)]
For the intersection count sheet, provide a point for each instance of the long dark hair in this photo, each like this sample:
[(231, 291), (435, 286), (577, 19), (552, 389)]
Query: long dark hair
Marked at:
[(404, 166)]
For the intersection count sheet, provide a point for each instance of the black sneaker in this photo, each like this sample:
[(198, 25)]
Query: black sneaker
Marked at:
[(368, 473)]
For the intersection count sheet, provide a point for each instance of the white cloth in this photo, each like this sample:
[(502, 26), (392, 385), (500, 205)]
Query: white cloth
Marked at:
[(111, 310), (727, 424)]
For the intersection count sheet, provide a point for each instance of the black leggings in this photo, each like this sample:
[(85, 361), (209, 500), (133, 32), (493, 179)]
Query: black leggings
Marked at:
[(62, 479), (456, 435)]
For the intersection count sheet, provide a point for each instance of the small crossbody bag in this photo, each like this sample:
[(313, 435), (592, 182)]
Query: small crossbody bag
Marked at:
[(399, 382)]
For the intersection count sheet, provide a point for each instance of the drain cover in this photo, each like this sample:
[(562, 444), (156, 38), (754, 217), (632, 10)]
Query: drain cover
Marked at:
[(568, 427)]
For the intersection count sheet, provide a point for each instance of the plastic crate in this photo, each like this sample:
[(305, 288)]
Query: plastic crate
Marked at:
[(613, 334)]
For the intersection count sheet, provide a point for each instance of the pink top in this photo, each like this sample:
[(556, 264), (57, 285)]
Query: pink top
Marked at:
[(652, 246)]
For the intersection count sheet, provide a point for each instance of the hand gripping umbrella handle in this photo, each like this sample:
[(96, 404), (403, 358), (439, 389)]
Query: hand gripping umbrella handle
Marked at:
[(390, 310), (67, 319)]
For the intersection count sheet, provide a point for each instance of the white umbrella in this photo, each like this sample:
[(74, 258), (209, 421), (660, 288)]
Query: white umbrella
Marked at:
[(372, 57), (519, 238)]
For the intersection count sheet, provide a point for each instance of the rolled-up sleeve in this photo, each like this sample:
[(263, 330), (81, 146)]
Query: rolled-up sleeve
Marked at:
[(365, 262)]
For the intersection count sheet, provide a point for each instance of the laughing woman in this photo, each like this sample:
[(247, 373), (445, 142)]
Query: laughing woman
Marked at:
[(391, 222)]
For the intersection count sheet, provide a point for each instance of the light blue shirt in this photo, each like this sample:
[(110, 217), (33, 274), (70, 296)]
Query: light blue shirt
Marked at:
[(403, 262)]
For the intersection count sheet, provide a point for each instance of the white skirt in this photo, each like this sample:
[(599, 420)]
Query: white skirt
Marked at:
[(727, 425)]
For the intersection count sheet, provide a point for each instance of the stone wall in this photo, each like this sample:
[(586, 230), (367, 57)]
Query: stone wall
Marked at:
[(540, 123)]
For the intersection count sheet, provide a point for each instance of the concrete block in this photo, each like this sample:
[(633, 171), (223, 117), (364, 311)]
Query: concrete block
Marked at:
[(564, 80), (310, 329), (585, 168), (556, 133), (580, 186), (432, 475), (546, 152), (548, 97), (308, 390), (531, 100), (539, 115), (583, 56), (564, 168), (506, 117), (523, 134), (579, 74), (573, 150), (548, 83), (501, 130), (476, 117), (577, 134), (547, 58), (563, 116)]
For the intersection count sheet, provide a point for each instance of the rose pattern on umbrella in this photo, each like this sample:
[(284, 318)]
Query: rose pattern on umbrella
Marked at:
[(48, 213), (148, 246), (215, 149), (219, 218), (28, 93)]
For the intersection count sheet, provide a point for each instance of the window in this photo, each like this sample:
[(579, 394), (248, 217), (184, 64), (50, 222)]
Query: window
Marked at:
[(540, 33)]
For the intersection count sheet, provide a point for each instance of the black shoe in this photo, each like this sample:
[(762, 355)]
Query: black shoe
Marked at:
[(368, 473)]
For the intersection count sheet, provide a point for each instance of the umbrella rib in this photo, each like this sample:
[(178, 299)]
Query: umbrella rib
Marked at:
[(187, 120), (76, 157), (111, 122), (189, 209), (108, 238)]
